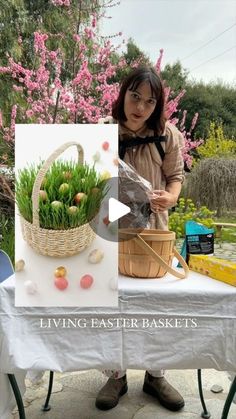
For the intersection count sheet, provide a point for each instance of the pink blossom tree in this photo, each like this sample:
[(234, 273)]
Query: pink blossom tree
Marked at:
[(77, 87)]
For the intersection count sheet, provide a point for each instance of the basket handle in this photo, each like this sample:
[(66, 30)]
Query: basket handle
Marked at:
[(138, 239), (42, 172)]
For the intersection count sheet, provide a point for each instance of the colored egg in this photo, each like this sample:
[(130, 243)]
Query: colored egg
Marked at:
[(95, 256), (95, 191), (64, 188), (56, 204), (60, 272), (67, 175), (19, 265), (72, 210), (86, 281), (79, 197), (105, 145), (61, 283), (31, 287), (106, 220), (43, 195), (105, 175)]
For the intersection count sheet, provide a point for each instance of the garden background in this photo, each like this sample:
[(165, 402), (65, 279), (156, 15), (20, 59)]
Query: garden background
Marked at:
[(57, 67)]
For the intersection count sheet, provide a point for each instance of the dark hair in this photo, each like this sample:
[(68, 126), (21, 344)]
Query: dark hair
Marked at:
[(143, 74)]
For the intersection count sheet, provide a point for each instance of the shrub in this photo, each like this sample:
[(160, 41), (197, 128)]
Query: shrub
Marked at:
[(216, 145), (187, 211), (213, 183), (7, 231), (7, 196)]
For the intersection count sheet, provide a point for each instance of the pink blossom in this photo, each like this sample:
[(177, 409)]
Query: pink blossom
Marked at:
[(5, 70), (29, 113), (158, 63), (183, 120), (39, 41), (53, 55), (167, 93), (17, 88), (13, 112), (194, 121), (89, 33), (61, 2), (94, 21), (76, 38)]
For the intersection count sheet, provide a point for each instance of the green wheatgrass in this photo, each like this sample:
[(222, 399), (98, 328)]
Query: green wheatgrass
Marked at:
[(80, 178)]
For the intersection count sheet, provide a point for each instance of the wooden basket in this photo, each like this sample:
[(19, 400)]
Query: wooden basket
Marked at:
[(57, 243), (148, 254)]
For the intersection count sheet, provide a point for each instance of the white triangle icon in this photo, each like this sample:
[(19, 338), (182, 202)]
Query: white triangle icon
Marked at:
[(116, 209)]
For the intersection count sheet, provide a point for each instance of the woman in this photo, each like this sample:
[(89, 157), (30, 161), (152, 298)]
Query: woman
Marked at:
[(153, 147)]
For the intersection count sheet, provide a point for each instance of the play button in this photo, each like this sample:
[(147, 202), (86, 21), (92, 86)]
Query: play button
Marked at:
[(125, 205), (116, 210)]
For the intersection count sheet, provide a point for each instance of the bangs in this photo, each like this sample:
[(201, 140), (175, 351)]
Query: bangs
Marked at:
[(148, 78), (143, 74)]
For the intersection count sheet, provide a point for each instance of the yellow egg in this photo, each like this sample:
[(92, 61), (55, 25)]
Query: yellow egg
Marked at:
[(19, 265), (105, 175), (60, 272)]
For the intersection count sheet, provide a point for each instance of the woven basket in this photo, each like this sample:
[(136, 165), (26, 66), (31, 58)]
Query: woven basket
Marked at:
[(57, 243), (148, 254)]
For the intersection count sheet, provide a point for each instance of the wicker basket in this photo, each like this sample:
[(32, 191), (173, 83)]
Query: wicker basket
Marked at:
[(57, 243), (148, 254)]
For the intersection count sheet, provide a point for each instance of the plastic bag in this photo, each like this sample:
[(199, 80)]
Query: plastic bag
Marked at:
[(134, 191)]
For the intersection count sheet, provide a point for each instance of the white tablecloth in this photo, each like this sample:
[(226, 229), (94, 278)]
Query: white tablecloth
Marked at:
[(177, 324)]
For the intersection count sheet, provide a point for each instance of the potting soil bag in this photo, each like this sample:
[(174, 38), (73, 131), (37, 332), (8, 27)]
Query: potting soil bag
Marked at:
[(199, 240)]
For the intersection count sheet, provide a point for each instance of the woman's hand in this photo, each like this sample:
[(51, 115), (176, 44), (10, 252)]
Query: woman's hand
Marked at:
[(162, 200)]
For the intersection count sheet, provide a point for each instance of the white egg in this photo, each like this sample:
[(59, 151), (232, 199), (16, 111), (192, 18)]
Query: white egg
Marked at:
[(97, 157), (31, 287), (95, 256)]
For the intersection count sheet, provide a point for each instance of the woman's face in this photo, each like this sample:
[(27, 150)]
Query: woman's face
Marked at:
[(138, 106)]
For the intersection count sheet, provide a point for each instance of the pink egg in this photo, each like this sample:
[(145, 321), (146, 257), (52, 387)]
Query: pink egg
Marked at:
[(105, 145), (61, 283), (86, 281)]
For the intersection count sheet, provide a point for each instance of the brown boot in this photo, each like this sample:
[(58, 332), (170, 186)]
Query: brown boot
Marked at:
[(163, 391), (109, 395)]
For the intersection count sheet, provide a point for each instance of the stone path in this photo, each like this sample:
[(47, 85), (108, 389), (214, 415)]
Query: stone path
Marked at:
[(74, 397), (225, 251)]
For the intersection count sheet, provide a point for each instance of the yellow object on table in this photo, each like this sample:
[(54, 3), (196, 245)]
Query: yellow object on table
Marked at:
[(216, 268)]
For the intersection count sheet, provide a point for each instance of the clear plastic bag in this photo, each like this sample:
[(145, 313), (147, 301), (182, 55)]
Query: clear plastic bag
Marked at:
[(134, 191)]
